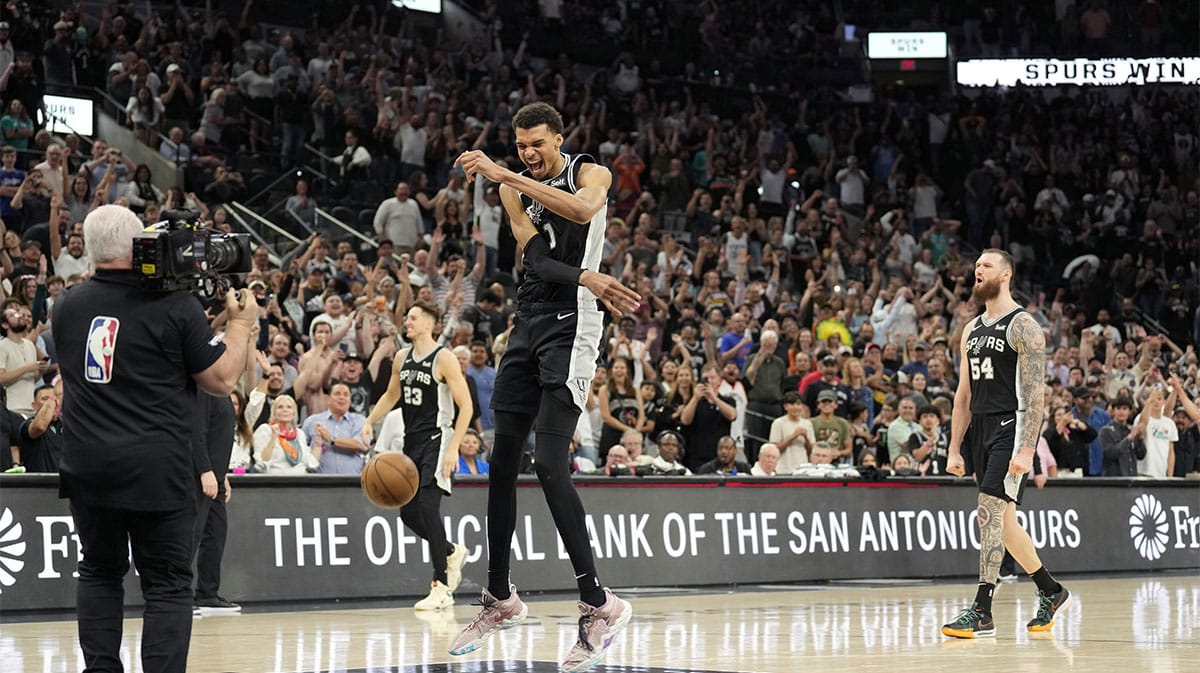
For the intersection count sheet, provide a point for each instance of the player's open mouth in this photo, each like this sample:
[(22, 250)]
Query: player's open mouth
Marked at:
[(536, 167)]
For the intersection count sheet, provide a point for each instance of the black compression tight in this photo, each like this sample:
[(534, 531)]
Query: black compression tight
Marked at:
[(423, 516), (556, 425)]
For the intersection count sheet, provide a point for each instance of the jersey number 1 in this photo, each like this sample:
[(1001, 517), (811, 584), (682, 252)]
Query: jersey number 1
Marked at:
[(981, 368), (550, 235)]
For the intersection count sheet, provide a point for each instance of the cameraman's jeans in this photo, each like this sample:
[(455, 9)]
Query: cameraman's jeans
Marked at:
[(162, 551)]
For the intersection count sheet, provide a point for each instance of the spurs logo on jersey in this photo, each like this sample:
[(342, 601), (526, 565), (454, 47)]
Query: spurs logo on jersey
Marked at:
[(992, 360), (534, 211), (427, 403)]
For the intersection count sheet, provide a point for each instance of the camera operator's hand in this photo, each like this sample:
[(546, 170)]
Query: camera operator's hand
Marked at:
[(240, 305)]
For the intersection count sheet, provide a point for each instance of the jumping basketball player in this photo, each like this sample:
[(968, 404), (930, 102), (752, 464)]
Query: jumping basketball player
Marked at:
[(557, 208), (1000, 389), (430, 381)]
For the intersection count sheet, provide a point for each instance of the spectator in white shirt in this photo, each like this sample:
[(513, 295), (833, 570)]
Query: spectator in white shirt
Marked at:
[(398, 219), (1052, 195), (853, 182)]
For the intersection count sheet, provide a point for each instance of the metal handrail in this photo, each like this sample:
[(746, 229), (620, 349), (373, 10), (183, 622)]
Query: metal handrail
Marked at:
[(345, 227), (114, 101), (234, 206)]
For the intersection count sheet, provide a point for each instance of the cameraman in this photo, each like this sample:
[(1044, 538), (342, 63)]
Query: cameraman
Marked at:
[(132, 360)]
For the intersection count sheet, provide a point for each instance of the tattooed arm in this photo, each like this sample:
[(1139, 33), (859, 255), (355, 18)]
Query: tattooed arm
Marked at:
[(960, 417), (1030, 343)]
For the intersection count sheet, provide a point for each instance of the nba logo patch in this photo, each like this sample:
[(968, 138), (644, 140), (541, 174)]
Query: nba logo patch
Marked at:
[(101, 344)]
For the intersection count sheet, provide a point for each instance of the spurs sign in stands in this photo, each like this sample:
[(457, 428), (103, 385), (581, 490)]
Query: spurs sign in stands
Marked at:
[(906, 45), (317, 538), (68, 114), (1079, 72)]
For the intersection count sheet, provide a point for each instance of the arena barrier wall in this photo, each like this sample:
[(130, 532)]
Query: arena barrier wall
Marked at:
[(316, 538)]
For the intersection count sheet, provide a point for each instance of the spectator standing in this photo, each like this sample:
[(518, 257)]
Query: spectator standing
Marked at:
[(764, 404), (212, 448), (833, 431), (707, 416), (21, 362), (792, 434), (1068, 438), (1160, 437), (1123, 445), (398, 220)]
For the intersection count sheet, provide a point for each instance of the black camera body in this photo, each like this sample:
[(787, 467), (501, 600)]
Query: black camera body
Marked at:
[(181, 254)]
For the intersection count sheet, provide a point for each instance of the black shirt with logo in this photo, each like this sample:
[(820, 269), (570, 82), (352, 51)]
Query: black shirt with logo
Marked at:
[(127, 357)]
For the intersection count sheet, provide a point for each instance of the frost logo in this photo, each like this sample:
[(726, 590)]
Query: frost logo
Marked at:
[(12, 548), (1148, 527)]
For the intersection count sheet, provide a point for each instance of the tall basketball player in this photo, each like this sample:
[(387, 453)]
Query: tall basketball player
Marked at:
[(430, 382), (557, 209), (998, 408)]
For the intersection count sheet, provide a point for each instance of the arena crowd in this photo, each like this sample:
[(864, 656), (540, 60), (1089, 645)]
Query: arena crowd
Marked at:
[(806, 261)]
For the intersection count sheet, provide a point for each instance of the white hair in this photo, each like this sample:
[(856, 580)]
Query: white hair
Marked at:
[(462, 350), (108, 234), (768, 334)]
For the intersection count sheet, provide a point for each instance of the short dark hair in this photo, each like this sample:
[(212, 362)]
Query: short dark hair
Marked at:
[(489, 297), (536, 114), (480, 344), (929, 409), (791, 397), (428, 309)]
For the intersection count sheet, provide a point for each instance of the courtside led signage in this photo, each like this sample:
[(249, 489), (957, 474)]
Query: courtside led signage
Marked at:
[(1078, 72)]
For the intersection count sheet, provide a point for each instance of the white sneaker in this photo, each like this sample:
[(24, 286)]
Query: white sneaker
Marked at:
[(454, 566), (439, 597)]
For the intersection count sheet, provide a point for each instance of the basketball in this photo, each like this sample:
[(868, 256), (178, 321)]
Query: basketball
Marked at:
[(390, 480)]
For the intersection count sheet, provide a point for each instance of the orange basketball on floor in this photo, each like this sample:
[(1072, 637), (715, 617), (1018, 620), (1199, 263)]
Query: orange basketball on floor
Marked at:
[(390, 480)]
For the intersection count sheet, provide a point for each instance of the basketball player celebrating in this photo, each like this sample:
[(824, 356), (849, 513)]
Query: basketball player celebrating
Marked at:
[(430, 382), (1000, 390), (557, 209)]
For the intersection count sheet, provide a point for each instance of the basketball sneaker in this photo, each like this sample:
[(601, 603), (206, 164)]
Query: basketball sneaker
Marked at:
[(439, 597), (1048, 606), (496, 615), (454, 565), (971, 623), (598, 627)]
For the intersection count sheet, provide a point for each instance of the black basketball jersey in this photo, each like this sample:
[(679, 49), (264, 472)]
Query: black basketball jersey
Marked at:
[(571, 243), (992, 360), (696, 354), (426, 402)]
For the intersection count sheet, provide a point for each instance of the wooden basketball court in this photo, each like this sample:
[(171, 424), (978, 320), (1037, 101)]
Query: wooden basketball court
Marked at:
[(1125, 625)]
